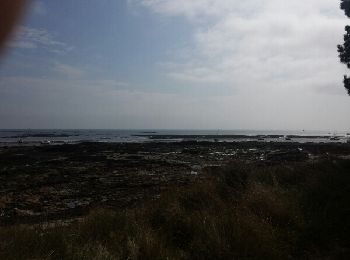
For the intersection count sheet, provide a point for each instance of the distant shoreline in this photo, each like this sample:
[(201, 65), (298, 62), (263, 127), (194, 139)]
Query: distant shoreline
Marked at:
[(46, 137)]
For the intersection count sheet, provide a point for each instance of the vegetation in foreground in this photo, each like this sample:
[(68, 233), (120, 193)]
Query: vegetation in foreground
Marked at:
[(242, 211)]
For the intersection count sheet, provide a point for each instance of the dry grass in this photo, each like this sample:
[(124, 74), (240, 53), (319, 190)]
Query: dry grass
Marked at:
[(243, 211)]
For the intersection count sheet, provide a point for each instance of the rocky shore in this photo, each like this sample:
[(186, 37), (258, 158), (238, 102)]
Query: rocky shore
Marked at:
[(55, 182)]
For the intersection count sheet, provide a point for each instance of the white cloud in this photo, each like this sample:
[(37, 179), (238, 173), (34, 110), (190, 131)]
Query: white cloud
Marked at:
[(198, 8), (279, 57), (259, 43), (22, 45), (33, 38), (68, 70), (81, 103)]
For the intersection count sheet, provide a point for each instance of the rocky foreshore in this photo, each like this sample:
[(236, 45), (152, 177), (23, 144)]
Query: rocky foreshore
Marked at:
[(54, 182)]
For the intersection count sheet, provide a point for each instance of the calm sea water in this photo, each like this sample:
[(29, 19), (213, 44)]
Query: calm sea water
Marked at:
[(33, 136)]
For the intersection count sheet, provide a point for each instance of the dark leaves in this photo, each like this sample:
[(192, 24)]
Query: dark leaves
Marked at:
[(344, 50), (345, 5), (347, 84)]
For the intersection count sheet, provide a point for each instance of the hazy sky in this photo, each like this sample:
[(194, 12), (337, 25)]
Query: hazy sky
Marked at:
[(213, 64)]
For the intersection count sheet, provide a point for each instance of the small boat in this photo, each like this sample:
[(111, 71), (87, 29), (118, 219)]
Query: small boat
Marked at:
[(20, 141)]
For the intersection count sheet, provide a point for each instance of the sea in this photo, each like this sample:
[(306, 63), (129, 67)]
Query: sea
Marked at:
[(71, 136)]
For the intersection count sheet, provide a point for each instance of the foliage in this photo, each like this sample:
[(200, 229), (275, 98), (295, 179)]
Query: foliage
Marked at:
[(345, 5), (344, 50)]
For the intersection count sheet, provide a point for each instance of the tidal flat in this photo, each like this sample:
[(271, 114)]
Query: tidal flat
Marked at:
[(57, 182)]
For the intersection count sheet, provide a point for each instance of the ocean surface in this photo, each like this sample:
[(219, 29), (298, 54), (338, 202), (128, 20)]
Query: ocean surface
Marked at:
[(60, 136)]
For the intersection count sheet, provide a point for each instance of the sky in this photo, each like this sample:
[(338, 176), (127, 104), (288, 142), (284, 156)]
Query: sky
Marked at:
[(176, 64)]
